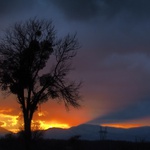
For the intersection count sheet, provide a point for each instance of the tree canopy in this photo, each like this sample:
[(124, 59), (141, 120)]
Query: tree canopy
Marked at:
[(25, 50)]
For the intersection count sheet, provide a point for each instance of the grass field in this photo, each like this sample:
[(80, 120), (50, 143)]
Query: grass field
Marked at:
[(11, 143)]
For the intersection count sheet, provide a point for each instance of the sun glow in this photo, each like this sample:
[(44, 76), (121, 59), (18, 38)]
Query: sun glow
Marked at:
[(46, 125), (9, 122), (14, 123)]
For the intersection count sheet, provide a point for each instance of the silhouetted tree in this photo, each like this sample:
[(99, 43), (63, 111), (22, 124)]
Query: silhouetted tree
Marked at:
[(25, 50)]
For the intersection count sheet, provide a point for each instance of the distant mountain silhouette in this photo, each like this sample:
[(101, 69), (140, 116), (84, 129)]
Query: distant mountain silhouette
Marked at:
[(92, 132), (4, 131)]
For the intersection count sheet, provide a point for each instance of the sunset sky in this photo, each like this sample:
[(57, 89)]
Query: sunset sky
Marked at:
[(113, 61)]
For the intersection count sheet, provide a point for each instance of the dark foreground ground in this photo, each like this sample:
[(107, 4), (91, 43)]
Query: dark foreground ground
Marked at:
[(41, 144)]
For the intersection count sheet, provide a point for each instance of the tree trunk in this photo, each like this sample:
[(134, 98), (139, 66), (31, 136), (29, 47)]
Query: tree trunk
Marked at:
[(27, 130)]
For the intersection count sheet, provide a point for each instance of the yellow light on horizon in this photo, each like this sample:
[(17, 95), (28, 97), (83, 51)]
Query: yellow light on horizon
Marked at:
[(45, 126), (9, 122), (123, 125)]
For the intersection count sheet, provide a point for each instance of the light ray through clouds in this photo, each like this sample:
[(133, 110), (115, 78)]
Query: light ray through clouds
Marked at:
[(135, 111)]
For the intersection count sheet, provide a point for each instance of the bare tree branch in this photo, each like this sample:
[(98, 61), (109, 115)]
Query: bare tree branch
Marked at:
[(25, 51)]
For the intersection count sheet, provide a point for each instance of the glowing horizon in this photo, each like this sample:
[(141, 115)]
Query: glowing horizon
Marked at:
[(53, 124), (11, 123), (122, 125), (36, 125), (54, 115)]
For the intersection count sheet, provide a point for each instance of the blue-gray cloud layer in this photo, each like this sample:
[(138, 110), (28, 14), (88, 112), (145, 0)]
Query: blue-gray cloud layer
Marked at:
[(137, 110), (8, 6), (85, 9)]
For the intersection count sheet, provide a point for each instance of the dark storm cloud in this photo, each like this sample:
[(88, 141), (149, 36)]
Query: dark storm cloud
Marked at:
[(137, 8), (9, 6), (78, 9), (136, 110), (85, 9)]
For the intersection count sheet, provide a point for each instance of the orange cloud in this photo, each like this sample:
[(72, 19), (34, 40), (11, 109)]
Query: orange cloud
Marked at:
[(4, 111), (53, 111), (9, 122), (122, 125), (50, 114), (1, 123), (50, 124)]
